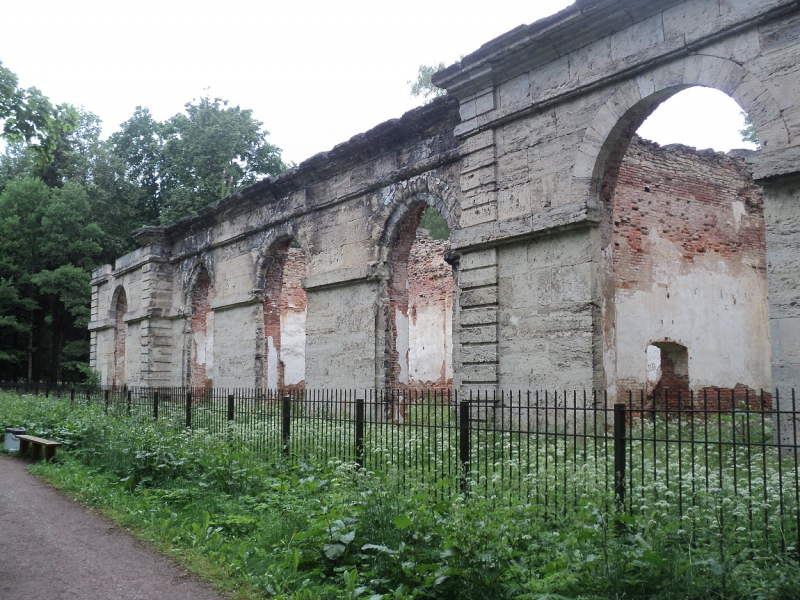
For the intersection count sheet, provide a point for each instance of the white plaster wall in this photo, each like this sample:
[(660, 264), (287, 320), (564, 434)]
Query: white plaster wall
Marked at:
[(402, 345), (293, 346), (430, 343), (272, 364), (720, 316)]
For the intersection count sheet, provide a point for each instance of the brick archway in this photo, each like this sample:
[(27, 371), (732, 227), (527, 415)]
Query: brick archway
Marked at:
[(419, 293), (284, 316), (200, 367), (120, 304)]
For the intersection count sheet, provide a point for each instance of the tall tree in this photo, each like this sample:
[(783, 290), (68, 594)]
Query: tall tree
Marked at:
[(25, 113), (423, 86), (208, 152)]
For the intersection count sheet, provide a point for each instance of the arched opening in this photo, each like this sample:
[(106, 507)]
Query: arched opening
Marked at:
[(284, 362), (120, 336), (685, 254), (420, 302), (201, 326), (668, 374)]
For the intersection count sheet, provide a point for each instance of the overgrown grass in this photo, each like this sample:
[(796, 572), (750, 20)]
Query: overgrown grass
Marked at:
[(263, 528)]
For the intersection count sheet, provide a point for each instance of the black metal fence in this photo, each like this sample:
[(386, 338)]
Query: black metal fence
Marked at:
[(725, 455)]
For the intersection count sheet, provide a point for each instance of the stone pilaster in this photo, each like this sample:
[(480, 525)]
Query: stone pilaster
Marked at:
[(475, 333)]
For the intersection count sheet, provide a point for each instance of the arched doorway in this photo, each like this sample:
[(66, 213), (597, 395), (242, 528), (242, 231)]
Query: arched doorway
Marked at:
[(684, 249), (420, 294), (201, 326), (284, 317), (120, 336)]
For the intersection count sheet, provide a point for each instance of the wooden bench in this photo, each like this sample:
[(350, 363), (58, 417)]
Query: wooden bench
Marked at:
[(36, 444)]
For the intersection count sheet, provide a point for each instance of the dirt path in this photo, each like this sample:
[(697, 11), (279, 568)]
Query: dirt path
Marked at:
[(51, 547)]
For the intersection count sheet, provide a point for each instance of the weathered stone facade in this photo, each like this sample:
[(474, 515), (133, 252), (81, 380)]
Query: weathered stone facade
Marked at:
[(522, 159)]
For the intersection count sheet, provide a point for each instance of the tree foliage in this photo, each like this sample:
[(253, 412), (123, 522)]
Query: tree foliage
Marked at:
[(748, 132), (423, 86), (69, 201)]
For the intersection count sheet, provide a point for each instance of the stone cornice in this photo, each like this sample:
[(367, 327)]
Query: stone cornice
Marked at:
[(368, 272), (440, 116), (547, 221), (771, 166), (424, 166), (530, 46)]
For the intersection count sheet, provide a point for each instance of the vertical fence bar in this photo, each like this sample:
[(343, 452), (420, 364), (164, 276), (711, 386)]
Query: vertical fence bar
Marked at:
[(360, 432), (105, 402), (155, 406), (188, 410), (619, 456), (230, 407), (286, 407), (72, 397), (129, 403), (464, 444)]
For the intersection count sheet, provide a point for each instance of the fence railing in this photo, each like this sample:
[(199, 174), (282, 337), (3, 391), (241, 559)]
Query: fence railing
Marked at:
[(728, 453)]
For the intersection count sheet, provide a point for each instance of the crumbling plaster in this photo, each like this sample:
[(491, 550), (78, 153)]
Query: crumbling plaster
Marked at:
[(521, 159)]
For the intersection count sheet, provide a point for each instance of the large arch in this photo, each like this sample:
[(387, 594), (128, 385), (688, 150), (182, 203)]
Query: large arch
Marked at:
[(200, 328), (281, 361), (417, 298), (607, 140), (119, 304)]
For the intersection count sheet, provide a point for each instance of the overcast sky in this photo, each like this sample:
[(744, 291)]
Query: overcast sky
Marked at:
[(314, 72)]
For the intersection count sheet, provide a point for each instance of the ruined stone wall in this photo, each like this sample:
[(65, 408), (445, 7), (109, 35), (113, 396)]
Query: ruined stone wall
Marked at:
[(342, 208), (521, 159), (285, 319), (690, 266)]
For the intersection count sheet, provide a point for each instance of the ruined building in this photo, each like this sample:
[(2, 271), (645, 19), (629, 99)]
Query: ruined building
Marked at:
[(574, 252)]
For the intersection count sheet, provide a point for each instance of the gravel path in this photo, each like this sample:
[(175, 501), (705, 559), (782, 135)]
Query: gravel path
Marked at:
[(54, 548)]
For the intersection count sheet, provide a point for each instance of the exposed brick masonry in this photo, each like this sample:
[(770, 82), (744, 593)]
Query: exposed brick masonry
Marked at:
[(120, 335), (201, 296), (430, 283), (398, 287), (283, 293), (688, 195), (420, 278)]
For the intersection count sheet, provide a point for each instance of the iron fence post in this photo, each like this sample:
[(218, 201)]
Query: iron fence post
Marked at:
[(230, 407), (360, 432), (188, 410), (129, 403), (286, 407), (72, 397), (464, 446), (619, 456), (155, 406), (105, 402)]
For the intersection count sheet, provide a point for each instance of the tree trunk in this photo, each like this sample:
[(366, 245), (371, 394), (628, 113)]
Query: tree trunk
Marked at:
[(56, 341), (30, 350)]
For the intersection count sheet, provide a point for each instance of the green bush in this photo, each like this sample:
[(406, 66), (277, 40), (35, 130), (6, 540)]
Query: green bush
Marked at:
[(269, 529)]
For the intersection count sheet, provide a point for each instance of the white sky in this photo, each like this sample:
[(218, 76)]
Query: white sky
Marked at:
[(314, 72)]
